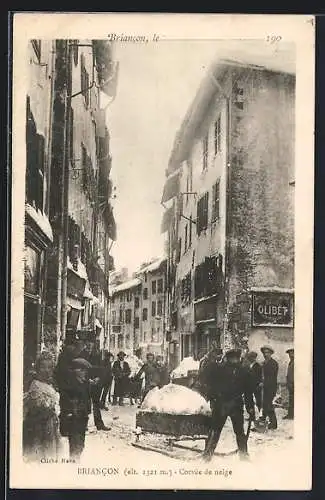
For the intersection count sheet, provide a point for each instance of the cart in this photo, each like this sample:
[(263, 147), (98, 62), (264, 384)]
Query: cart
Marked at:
[(175, 428)]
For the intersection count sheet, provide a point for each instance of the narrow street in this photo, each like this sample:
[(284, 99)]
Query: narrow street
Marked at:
[(118, 441)]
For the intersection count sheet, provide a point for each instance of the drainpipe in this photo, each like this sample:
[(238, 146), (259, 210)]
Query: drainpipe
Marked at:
[(227, 339), (65, 189)]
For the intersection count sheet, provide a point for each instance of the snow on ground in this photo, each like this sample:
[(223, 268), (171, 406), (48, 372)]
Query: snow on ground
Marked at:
[(116, 443)]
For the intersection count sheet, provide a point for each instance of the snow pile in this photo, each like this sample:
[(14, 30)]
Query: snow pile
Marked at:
[(186, 365), (175, 400)]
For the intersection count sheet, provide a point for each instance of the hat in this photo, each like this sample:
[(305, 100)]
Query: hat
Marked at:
[(290, 350), (267, 348), (81, 363), (121, 353), (251, 355), (233, 353)]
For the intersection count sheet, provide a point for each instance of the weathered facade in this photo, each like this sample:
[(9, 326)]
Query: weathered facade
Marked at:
[(137, 310), (68, 180), (231, 226)]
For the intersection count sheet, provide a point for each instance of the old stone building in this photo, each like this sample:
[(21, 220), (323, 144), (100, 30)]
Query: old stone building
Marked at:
[(137, 310), (70, 224), (230, 219)]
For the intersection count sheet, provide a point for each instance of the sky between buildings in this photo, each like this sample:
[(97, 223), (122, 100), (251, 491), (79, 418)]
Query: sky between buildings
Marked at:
[(157, 82)]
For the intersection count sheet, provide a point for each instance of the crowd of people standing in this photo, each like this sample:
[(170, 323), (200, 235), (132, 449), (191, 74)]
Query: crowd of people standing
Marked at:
[(63, 394)]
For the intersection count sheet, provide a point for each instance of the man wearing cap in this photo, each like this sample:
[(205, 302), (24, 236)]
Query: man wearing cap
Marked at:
[(270, 370), (228, 386), (121, 372), (290, 384)]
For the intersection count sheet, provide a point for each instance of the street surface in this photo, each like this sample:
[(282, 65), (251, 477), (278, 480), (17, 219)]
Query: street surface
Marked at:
[(116, 443)]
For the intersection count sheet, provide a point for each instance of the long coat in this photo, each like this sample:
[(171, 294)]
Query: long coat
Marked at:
[(270, 370), (229, 386), (121, 376), (290, 375)]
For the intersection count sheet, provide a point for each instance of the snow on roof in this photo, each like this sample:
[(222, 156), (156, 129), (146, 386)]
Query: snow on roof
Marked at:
[(152, 267), (126, 285), (41, 220)]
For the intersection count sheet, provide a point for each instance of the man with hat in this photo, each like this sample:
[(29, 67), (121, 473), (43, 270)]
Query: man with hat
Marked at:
[(228, 386), (290, 384), (121, 372), (269, 384)]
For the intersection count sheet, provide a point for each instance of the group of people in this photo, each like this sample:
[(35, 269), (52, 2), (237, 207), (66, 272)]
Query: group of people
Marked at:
[(62, 395), (231, 381)]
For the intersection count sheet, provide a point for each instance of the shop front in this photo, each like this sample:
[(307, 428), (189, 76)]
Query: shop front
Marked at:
[(207, 325), (36, 242)]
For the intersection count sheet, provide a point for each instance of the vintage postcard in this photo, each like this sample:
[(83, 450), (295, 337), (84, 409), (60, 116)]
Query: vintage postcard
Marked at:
[(162, 251)]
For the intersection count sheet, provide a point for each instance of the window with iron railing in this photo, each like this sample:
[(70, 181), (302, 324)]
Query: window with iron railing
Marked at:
[(136, 302), (159, 308), (153, 285), (145, 314), (128, 316)]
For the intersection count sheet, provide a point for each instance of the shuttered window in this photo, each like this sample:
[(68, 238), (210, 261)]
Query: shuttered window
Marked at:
[(202, 213)]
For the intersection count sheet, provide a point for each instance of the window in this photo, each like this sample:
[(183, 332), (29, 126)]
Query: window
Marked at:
[(153, 335), (35, 151), (216, 201), (153, 284), (190, 233), (145, 314), (217, 136), (153, 309), (202, 213), (239, 95), (112, 342), (160, 285), (129, 296), (127, 342), (120, 341), (128, 314), (136, 302), (205, 151), (37, 46), (84, 81), (145, 293), (121, 316), (114, 317), (144, 336), (179, 250), (136, 322), (186, 289), (159, 308)]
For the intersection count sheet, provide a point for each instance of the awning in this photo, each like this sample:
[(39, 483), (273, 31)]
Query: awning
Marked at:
[(171, 187), (166, 220)]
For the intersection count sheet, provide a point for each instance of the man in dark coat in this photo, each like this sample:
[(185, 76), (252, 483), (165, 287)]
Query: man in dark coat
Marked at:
[(270, 370), (255, 370), (75, 405), (97, 374), (214, 356), (290, 384), (121, 372), (107, 379), (228, 385)]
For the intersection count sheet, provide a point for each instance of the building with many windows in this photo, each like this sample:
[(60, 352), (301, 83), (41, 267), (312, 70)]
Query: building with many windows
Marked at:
[(137, 310), (70, 225), (229, 219)]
